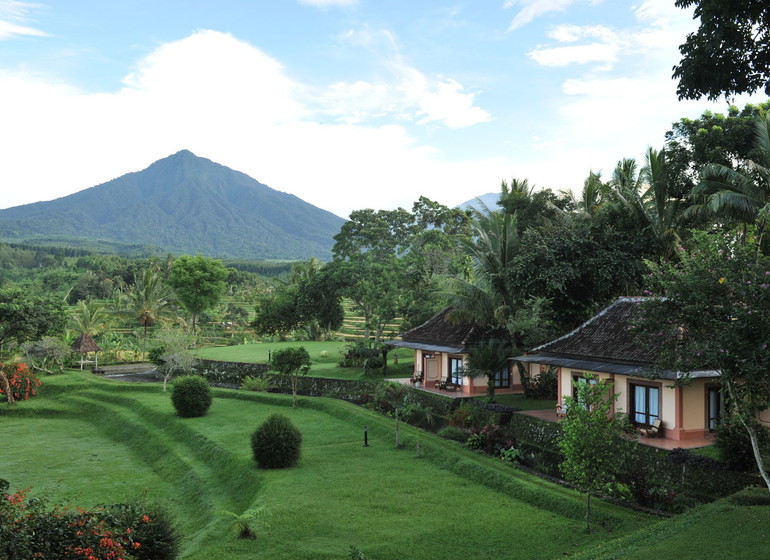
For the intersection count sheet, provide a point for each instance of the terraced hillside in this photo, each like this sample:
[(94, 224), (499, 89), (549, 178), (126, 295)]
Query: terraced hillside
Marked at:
[(353, 326), (88, 441)]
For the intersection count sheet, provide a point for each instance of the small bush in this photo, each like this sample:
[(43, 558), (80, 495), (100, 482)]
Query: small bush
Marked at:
[(30, 528), (468, 416), (22, 382), (151, 526), (735, 447), (191, 396), (253, 383), (751, 497), (276, 443), (356, 356), (454, 433), (490, 439)]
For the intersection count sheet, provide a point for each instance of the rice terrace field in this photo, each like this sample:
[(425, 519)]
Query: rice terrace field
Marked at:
[(86, 441)]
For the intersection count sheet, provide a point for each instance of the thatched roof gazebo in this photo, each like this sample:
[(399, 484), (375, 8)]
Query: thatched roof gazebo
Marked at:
[(84, 345)]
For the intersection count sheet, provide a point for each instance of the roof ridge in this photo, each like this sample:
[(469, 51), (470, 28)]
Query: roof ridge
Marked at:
[(602, 313)]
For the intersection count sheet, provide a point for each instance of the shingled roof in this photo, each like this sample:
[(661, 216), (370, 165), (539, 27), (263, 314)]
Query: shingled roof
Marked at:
[(440, 334), (606, 343), (607, 336), (439, 329)]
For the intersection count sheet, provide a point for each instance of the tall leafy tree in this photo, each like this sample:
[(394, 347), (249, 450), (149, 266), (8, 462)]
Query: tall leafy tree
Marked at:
[(25, 316), (198, 282), (728, 54), (726, 139), (386, 261), (716, 316), (311, 301)]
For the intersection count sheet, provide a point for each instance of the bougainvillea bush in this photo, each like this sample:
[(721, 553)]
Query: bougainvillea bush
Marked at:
[(22, 382), (29, 530)]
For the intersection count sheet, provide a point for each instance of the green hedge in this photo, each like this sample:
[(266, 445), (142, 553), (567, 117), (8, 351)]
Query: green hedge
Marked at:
[(679, 471), (352, 390), (228, 373)]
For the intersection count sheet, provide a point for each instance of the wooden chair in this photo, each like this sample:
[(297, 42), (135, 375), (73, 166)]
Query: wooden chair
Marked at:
[(652, 431)]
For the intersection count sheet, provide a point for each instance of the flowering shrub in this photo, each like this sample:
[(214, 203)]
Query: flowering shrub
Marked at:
[(22, 381), (29, 530)]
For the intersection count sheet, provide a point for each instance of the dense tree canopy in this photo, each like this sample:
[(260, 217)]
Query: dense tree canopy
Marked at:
[(728, 54), (25, 316), (716, 316), (199, 283)]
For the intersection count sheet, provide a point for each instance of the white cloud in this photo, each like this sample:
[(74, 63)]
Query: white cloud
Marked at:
[(582, 54), (531, 9), (328, 3), (226, 100), (572, 33), (660, 26), (404, 93), (12, 15)]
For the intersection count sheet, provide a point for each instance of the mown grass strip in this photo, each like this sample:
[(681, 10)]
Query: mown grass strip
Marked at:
[(452, 457)]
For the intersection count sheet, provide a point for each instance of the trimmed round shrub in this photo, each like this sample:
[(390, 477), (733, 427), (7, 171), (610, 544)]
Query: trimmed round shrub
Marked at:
[(276, 443), (191, 396)]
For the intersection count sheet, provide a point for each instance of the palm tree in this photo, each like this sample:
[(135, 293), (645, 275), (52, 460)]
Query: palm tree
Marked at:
[(150, 300), (741, 195), (486, 297), (595, 194), (662, 211), (486, 359), (646, 196), (90, 317)]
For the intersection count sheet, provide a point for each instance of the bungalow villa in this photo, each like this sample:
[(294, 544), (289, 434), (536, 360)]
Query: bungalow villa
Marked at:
[(605, 346), (441, 349)]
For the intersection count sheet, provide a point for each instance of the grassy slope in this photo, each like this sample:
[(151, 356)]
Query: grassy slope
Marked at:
[(716, 531), (323, 365), (108, 441)]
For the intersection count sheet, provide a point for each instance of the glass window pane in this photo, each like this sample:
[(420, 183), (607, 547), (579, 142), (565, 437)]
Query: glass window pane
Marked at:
[(653, 403), (640, 404)]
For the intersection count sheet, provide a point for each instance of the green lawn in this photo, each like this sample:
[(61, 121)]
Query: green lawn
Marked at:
[(89, 440), (717, 531), (324, 355)]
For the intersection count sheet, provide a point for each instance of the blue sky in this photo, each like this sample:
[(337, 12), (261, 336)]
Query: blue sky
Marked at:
[(347, 104)]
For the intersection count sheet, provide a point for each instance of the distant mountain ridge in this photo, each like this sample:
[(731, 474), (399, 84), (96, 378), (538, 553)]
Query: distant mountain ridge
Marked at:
[(488, 199), (181, 204)]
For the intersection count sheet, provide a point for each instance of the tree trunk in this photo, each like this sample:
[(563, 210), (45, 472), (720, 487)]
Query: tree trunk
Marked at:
[(294, 384), (757, 453), (752, 436), (588, 512), (398, 432), (6, 387)]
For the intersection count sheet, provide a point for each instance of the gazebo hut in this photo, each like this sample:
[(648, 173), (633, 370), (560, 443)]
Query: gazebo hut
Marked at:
[(84, 345)]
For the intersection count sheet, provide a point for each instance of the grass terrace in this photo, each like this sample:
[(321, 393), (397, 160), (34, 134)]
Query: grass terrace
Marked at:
[(324, 355), (86, 440)]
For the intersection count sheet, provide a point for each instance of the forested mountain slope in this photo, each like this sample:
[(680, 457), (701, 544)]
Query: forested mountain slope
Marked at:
[(182, 204)]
